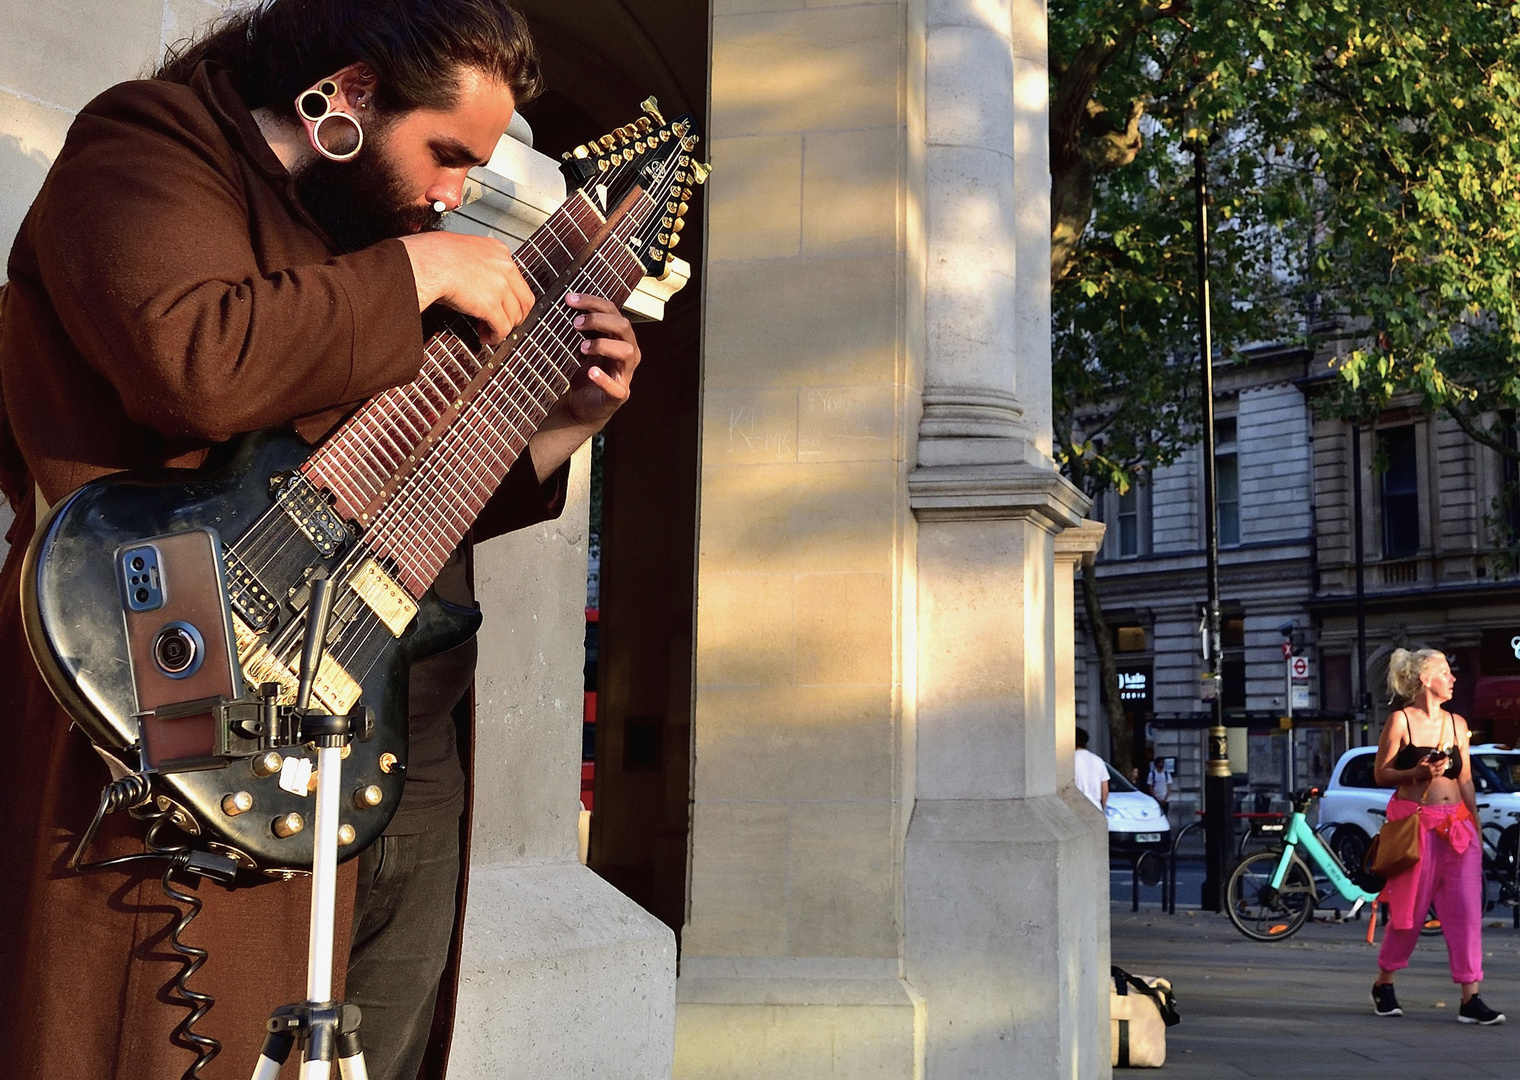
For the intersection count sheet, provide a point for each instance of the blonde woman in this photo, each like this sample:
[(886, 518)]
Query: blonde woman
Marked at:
[(1423, 753)]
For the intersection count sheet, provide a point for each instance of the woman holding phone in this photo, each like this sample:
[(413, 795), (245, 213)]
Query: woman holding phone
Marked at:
[(1423, 753)]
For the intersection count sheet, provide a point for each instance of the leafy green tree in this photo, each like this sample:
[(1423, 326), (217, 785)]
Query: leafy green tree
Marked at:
[(1365, 161)]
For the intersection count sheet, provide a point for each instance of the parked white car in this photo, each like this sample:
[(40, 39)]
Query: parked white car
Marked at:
[(1356, 805), (1136, 823)]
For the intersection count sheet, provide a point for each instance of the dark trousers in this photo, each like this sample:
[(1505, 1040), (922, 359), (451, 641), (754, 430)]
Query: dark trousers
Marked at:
[(403, 920)]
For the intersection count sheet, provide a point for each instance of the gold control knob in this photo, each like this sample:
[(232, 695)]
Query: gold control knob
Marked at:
[(367, 798), (346, 835), (267, 764), (288, 825), (239, 802), (387, 762)]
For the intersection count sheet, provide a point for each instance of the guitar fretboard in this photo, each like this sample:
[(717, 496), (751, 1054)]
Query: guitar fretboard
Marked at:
[(480, 425)]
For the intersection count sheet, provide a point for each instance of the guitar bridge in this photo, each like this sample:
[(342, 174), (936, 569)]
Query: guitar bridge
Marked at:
[(333, 686)]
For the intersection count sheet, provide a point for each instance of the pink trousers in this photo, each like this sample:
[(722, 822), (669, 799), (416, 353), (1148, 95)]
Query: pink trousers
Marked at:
[(1451, 879)]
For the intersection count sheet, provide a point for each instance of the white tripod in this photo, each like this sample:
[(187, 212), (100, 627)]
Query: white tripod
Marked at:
[(327, 1030)]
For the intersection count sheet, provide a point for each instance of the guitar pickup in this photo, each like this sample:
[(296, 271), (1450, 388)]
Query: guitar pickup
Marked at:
[(247, 594), (309, 509), (383, 595)]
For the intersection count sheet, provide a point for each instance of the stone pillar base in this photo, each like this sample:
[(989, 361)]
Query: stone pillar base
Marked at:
[(1000, 918), (563, 976), (797, 1019)]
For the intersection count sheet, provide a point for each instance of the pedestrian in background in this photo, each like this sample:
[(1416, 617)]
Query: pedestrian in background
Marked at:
[(1423, 752), (1092, 773), (1159, 782)]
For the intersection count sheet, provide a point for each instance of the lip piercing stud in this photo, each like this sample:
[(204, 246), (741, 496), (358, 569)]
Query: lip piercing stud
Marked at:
[(334, 134)]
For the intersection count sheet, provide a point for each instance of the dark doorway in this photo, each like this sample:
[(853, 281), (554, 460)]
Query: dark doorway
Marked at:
[(601, 59)]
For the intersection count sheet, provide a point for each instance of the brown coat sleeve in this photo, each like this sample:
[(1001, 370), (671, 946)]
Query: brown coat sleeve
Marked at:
[(522, 501), (143, 243)]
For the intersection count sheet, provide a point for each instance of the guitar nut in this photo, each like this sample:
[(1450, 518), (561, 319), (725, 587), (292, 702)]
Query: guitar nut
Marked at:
[(239, 802), (288, 825), (267, 764), (367, 798)]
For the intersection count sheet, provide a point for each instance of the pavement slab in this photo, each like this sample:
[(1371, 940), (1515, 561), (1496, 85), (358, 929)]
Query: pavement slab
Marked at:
[(1302, 1007)]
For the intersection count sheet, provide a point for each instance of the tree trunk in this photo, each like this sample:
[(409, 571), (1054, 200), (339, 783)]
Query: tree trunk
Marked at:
[(1120, 738)]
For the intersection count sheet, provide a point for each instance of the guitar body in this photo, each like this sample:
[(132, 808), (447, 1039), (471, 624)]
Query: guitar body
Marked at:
[(72, 603)]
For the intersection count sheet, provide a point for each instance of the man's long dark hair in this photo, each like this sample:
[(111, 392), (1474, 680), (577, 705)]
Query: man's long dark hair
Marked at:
[(417, 48)]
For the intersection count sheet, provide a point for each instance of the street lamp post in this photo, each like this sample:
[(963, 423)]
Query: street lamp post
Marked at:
[(1364, 699), (1218, 791)]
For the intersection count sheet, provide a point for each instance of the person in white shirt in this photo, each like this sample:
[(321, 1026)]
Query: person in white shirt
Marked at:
[(1159, 781), (1092, 772)]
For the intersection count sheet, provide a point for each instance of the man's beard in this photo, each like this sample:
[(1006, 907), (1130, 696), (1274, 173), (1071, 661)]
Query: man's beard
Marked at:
[(363, 201)]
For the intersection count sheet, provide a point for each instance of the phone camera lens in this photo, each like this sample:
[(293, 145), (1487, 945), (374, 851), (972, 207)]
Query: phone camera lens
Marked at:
[(137, 562), (174, 650), (141, 596)]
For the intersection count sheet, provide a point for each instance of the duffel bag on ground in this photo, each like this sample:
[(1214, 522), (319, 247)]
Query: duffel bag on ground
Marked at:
[(1140, 1010)]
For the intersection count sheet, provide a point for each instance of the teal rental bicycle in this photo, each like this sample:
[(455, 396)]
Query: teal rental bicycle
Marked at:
[(1272, 893)]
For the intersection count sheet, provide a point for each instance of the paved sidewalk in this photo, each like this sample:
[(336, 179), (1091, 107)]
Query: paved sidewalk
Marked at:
[(1301, 1007)]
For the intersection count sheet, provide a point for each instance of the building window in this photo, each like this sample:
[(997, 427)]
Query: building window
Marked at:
[(1227, 482), (1509, 498), (1129, 639), (1401, 492), (1129, 522)]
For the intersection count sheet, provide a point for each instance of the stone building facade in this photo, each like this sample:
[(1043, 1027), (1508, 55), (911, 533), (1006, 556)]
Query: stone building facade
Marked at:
[(1431, 569), (835, 686)]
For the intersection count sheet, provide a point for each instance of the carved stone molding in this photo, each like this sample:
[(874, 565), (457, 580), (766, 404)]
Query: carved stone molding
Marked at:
[(1079, 544), (960, 412), (993, 492)]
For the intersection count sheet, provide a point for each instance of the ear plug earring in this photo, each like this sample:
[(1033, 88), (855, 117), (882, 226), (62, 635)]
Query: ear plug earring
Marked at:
[(334, 134)]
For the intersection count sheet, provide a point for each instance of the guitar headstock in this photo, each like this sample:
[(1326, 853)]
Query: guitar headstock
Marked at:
[(653, 153)]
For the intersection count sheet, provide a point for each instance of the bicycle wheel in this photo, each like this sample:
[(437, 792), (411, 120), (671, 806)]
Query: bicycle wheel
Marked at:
[(1262, 913)]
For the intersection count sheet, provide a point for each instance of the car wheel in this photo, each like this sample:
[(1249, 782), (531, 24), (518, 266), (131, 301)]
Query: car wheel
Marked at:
[(1350, 846)]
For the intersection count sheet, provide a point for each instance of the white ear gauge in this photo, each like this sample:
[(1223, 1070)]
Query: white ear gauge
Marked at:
[(440, 207)]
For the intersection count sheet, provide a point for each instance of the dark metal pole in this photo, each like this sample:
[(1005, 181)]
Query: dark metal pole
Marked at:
[(1364, 698), (1218, 792)]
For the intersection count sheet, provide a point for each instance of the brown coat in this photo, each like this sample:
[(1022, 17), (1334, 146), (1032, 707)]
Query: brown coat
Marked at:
[(166, 292)]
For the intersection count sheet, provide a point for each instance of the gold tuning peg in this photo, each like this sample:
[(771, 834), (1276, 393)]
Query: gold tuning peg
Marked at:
[(685, 194), (608, 141), (666, 222), (679, 225), (701, 171), (581, 153), (664, 239), (652, 107), (628, 154), (644, 124), (674, 239), (689, 143), (681, 210)]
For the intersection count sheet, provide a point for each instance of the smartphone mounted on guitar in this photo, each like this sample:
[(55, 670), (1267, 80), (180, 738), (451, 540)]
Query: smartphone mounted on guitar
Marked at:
[(180, 647)]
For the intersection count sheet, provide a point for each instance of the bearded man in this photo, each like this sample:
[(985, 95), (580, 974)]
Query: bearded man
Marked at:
[(202, 263)]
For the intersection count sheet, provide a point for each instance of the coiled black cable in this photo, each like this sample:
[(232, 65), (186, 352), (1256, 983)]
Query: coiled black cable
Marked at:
[(133, 791), (200, 1003)]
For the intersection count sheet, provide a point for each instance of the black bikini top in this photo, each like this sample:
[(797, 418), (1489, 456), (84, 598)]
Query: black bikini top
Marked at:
[(1410, 755)]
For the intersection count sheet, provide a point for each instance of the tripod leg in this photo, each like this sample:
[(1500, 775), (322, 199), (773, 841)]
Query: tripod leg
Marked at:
[(352, 1068), (277, 1047), (350, 1049)]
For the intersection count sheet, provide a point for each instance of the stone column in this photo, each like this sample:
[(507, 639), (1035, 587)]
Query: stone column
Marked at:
[(1084, 1009), (999, 873), (560, 974)]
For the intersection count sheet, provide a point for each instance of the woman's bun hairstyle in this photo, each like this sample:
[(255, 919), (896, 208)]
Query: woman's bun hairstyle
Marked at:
[(1406, 667)]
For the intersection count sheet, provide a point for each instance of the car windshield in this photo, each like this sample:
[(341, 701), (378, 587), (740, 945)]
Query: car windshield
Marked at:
[(1117, 782), (1496, 772)]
